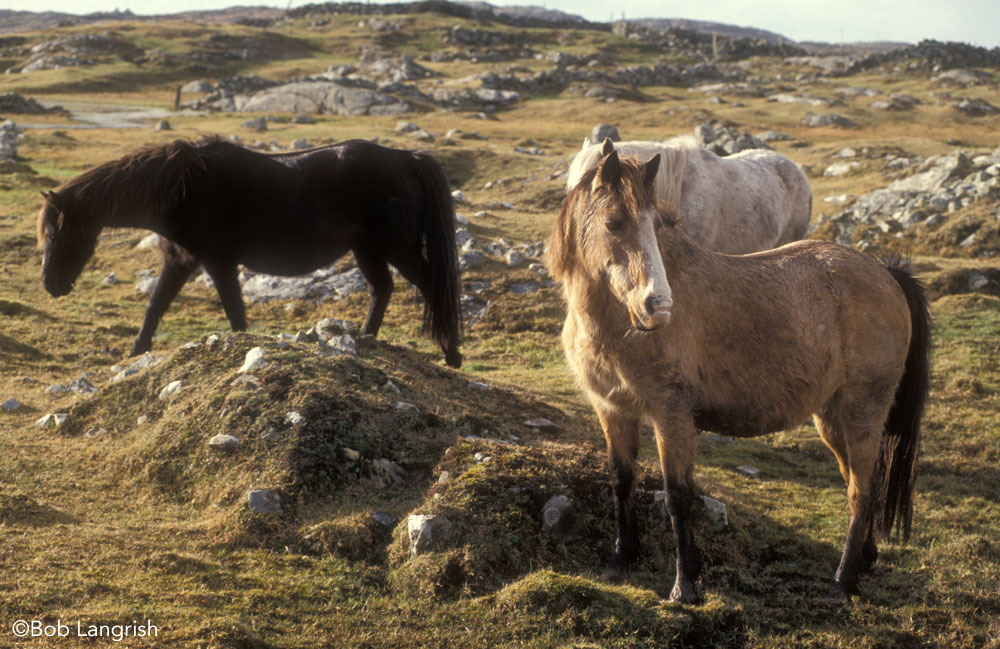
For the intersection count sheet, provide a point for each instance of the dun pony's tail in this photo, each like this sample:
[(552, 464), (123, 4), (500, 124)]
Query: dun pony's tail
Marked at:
[(896, 474), (439, 274)]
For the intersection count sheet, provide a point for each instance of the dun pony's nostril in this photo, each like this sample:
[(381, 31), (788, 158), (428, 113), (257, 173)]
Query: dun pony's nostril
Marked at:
[(651, 303)]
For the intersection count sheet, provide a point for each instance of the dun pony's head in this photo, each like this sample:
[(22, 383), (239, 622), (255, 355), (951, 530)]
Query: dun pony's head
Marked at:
[(606, 234), (66, 243)]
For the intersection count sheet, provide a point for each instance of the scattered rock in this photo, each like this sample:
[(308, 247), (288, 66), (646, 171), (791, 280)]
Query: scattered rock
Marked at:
[(170, 389), (295, 419), (748, 471), (11, 405), (223, 443), (557, 514), (55, 388), (254, 360), (542, 425), (162, 125), (146, 285), (264, 501), (815, 120), (403, 406), (716, 511), (602, 131), (52, 420), (427, 533), (259, 124)]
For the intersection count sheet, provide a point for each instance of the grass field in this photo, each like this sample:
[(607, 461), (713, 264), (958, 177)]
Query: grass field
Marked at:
[(106, 520)]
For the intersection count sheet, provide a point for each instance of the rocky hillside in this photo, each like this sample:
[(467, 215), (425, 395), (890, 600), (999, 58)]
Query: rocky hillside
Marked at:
[(300, 485)]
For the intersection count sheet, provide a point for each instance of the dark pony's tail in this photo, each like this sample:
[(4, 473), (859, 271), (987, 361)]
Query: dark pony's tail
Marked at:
[(438, 264), (896, 473)]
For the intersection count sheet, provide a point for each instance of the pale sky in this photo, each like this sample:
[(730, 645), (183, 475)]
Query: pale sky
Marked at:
[(971, 21)]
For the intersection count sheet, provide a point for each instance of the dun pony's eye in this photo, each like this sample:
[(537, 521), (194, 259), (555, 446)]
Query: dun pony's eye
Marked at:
[(616, 225)]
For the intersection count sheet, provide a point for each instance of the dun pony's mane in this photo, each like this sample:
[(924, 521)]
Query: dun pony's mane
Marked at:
[(147, 180)]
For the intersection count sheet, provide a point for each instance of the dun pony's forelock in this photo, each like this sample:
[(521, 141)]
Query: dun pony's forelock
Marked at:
[(633, 194)]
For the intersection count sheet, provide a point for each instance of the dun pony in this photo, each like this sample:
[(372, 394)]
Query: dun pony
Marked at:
[(218, 204), (659, 327)]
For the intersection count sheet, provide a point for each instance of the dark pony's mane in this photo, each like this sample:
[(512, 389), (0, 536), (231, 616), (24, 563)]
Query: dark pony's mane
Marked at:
[(149, 180)]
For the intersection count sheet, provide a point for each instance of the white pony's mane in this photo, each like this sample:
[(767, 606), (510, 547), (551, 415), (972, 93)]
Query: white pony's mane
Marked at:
[(673, 158)]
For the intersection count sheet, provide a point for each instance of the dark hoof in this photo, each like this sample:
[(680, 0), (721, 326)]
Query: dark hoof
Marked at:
[(453, 358), (685, 592)]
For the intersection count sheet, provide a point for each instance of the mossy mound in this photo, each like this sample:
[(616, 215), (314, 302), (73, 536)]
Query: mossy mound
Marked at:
[(352, 427)]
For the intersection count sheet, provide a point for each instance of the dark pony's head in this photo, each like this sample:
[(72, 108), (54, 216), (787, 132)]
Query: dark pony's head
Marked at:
[(66, 242)]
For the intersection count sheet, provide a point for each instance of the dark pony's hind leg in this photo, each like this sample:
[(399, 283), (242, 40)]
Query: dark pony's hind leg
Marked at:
[(622, 436), (178, 264), (380, 286), (227, 284)]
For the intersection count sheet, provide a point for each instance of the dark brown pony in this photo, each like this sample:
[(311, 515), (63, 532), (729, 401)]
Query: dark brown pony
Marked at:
[(659, 327), (220, 205)]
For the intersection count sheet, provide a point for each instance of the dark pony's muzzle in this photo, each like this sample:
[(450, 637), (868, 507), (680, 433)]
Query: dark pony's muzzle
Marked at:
[(55, 287)]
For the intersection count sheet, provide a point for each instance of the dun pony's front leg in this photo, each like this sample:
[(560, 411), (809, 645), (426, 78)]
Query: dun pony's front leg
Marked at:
[(622, 435), (178, 264), (676, 442)]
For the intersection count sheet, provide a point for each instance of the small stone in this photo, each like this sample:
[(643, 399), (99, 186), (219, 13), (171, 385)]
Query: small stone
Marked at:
[(142, 419), (715, 438), (351, 455), (557, 513), (748, 471), (384, 522), (475, 385), (601, 131), (146, 285), (170, 389), (264, 501), (254, 360), (716, 511), (295, 418), (162, 125), (427, 533), (55, 388), (482, 458), (81, 386), (247, 381), (11, 405), (514, 258), (149, 241), (406, 127), (224, 443), (542, 425), (403, 406), (109, 280), (52, 419), (459, 197), (977, 281), (444, 477), (259, 124), (300, 143)]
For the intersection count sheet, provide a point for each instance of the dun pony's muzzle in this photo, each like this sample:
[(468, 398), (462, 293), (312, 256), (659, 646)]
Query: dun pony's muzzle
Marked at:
[(652, 313)]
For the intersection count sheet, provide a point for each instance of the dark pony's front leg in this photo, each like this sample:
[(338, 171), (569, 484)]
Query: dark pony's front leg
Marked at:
[(178, 264), (226, 279), (622, 435), (675, 440), (380, 286)]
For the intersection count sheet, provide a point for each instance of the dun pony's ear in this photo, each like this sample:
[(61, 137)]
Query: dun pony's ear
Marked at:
[(649, 172), (610, 172), (607, 147), (586, 143)]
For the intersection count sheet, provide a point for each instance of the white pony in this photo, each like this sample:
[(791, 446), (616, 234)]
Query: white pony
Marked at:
[(751, 201)]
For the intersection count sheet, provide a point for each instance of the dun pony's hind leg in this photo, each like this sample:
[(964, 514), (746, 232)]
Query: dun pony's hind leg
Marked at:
[(622, 436), (227, 284), (178, 265), (863, 443), (380, 286), (675, 440)]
